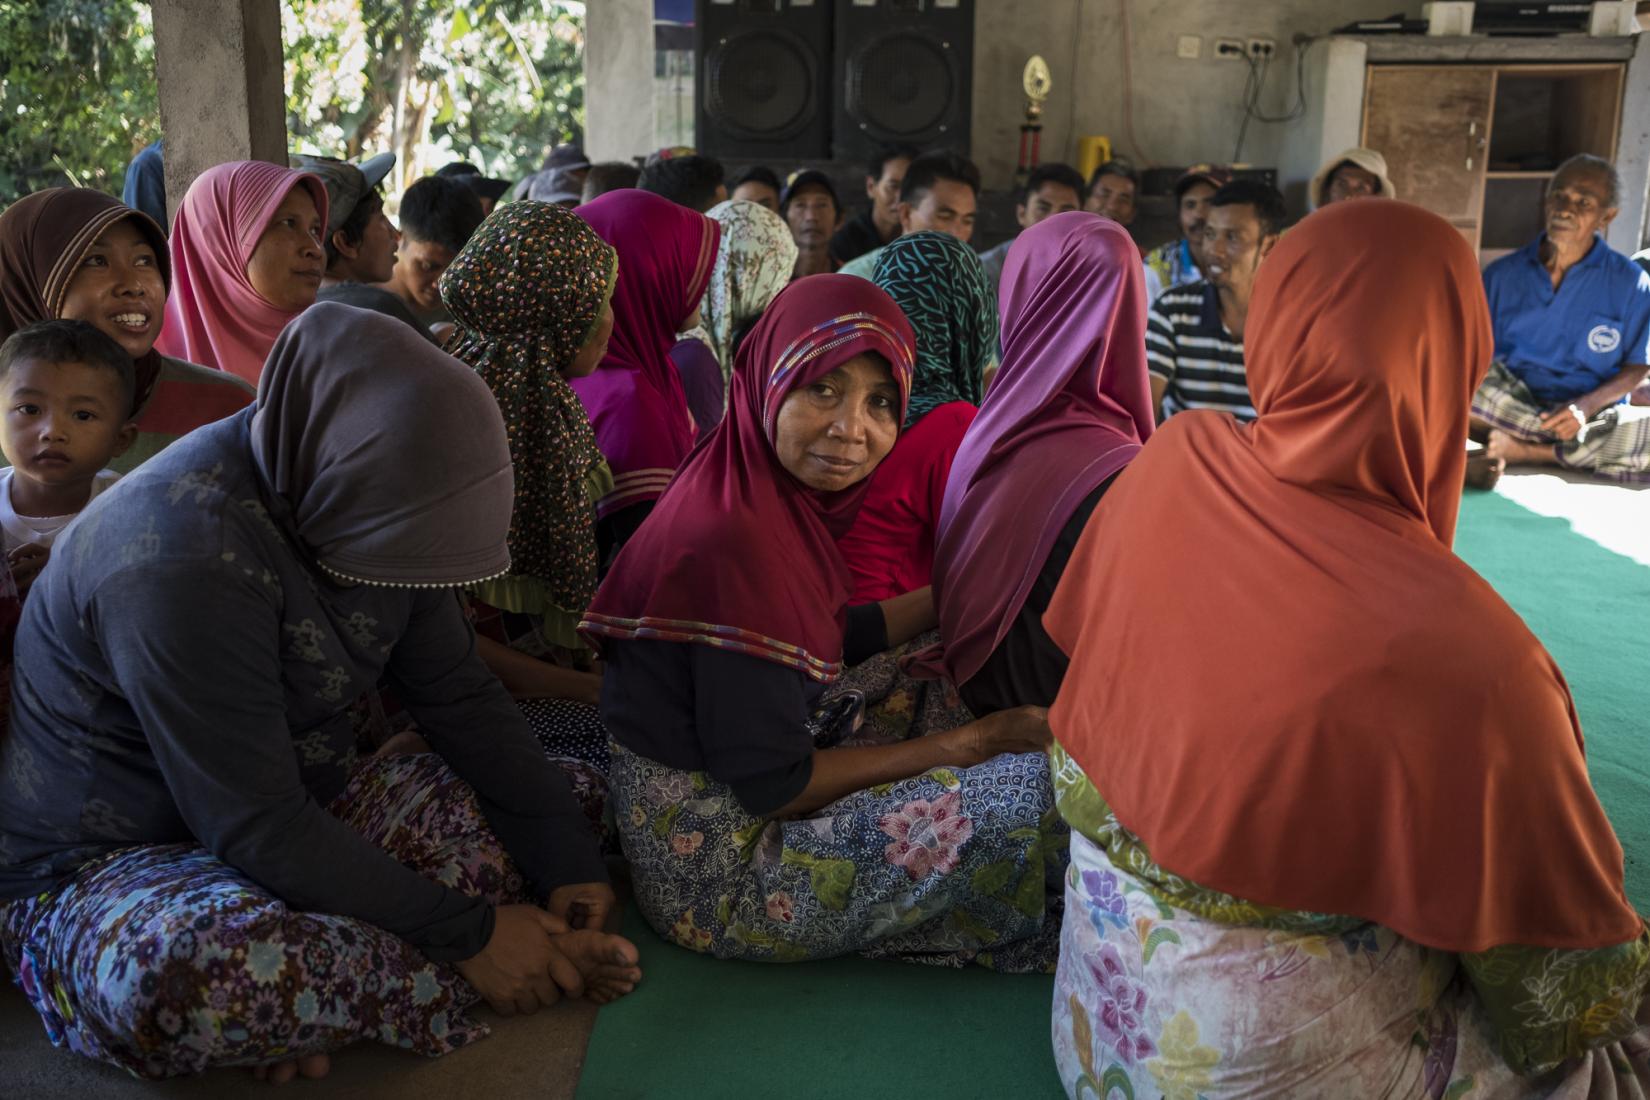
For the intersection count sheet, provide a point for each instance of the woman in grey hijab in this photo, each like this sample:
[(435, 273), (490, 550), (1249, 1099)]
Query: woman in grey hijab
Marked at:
[(195, 867)]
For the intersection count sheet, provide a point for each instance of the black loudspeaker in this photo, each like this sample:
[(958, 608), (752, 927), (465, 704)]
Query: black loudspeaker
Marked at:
[(906, 68), (764, 79)]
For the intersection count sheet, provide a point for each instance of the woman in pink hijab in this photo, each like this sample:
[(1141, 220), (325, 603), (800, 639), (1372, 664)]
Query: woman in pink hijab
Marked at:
[(1070, 407), (247, 258)]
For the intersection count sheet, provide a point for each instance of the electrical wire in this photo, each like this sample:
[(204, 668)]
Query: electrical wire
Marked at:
[(1256, 83)]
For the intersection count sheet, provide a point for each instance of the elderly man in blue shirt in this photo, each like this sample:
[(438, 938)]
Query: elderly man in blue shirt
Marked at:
[(1572, 339)]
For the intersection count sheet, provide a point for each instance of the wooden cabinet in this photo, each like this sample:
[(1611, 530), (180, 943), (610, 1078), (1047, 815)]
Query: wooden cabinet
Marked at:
[(1431, 123), (1477, 144)]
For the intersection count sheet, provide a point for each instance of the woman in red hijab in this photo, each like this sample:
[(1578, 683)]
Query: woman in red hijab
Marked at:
[(1330, 768), (753, 828)]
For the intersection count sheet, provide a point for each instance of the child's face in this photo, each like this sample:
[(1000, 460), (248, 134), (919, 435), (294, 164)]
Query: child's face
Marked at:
[(418, 269), (63, 421)]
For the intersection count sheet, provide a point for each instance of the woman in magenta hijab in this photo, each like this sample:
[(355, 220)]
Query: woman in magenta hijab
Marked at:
[(1070, 406), (760, 818), (246, 259), (635, 398)]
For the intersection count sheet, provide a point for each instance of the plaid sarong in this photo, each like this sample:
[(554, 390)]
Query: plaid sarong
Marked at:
[(1615, 444)]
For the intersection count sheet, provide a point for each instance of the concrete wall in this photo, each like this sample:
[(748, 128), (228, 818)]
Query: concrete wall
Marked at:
[(1333, 119), (1183, 111), (618, 79), (1631, 230)]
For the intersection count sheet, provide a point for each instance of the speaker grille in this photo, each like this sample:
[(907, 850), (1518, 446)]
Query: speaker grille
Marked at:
[(759, 85), (901, 84)]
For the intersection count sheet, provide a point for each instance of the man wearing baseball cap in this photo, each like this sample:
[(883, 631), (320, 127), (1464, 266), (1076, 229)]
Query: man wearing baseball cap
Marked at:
[(559, 180), (1180, 261), (361, 242), (810, 207)]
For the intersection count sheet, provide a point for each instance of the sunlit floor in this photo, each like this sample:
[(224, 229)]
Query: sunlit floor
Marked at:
[(1616, 517)]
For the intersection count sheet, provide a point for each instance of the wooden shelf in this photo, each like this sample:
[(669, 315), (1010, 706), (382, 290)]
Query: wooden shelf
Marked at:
[(1494, 175)]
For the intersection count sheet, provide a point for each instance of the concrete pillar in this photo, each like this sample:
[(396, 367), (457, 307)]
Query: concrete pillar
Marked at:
[(1334, 117), (1631, 229), (618, 79), (222, 88)]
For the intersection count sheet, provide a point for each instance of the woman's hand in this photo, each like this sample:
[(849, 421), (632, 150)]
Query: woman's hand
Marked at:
[(1019, 729), (583, 904), (519, 970), (849, 768)]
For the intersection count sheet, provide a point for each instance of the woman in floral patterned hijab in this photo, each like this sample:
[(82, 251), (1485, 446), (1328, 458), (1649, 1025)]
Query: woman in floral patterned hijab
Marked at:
[(530, 298), (753, 264)]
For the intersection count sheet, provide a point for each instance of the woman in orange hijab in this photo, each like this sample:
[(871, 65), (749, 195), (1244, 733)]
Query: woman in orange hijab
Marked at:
[(1339, 839)]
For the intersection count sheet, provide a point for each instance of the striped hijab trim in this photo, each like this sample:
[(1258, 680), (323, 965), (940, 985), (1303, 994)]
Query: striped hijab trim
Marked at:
[(823, 339), (706, 263), (635, 487), (62, 272), (718, 636)]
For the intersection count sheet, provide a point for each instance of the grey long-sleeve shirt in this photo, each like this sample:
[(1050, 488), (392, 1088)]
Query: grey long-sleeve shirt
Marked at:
[(183, 672)]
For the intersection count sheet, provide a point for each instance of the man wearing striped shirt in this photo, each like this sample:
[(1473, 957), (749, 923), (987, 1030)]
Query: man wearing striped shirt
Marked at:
[(1194, 333)]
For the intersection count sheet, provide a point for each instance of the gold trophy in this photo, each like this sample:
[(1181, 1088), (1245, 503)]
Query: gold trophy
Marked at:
[(1037, 83)]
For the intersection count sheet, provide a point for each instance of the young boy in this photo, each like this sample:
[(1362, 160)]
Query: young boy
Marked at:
[(438, 215), (68, 397)]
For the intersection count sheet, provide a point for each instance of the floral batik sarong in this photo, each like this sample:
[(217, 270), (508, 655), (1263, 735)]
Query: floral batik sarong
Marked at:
[(1153, 1000), (953, 866), (165, 961)]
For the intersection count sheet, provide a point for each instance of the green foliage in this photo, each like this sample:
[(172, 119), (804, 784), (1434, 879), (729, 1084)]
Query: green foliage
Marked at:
[(494, 82), (77, 93)]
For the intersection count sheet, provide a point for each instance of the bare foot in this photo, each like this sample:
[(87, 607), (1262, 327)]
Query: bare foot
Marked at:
[(312, 1066), (1517, 452), (1015, 730), (405, 743), (605, 961), (1483, 470)]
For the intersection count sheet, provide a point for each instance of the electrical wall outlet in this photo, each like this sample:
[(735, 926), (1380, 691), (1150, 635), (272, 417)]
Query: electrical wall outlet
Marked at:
[(1189, 48), (1261, 48), (1229, 48)]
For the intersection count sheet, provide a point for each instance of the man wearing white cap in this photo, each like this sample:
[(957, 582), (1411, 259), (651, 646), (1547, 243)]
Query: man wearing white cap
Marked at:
[(1354, 174)]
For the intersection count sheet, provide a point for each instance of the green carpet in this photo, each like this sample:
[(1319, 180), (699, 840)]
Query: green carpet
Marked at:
[(1591, 608), (847, 1029), (851, 1028)]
